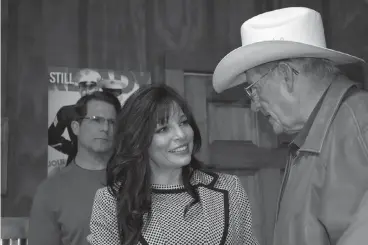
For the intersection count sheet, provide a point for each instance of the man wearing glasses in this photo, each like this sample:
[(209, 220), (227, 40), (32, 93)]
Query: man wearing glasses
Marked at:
[(293, 79), (63, 203), (87, 81)]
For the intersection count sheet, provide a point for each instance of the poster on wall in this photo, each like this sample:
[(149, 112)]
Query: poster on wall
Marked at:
[(65, 87)]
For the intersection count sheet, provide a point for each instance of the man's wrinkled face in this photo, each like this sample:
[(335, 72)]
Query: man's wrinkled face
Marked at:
[(272, 98)]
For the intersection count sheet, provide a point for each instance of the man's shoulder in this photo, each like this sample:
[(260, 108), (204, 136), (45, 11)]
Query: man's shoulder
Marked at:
[(48, 187), (358, 100), (355, 107), (52, 183)]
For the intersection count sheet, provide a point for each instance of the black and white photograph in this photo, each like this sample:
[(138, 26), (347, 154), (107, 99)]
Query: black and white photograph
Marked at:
[(184, 122)]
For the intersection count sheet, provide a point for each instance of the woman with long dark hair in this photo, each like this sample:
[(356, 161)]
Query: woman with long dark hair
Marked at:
[(157, 191)]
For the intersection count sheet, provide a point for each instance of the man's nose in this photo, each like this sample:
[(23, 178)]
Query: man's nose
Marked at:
[(255, 106), (105, 126)]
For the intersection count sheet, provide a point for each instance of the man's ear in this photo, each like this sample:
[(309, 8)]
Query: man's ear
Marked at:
[(75, 127), (288, 75)]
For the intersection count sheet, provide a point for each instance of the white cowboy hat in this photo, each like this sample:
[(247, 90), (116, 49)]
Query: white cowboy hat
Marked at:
[(280, 34)]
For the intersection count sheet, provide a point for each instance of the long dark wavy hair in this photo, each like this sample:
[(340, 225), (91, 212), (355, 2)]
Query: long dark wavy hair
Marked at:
[(128, 171)]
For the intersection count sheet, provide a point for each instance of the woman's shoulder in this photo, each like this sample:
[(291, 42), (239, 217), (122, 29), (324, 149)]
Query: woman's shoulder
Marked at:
[(104, 195), (218, 180), (227, 181)]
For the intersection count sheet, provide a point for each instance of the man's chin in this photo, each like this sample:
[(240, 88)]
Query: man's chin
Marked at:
[(291, 132), (278, 132), (277, 128)]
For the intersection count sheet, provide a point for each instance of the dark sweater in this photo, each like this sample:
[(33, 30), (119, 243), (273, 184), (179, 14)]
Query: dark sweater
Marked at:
[(62, 207)]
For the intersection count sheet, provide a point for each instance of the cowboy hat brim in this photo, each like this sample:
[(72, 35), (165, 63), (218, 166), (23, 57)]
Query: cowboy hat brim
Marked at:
[(230, 70)]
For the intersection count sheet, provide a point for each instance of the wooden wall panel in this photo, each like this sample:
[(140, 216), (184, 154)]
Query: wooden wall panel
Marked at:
[(26, 103), (62, 35), (269, 180), (218, 22), (5, 24), (348, 26), (116, 34), (234, 154), (195, 94), (269, 184), (316, 5), (239, 11), (175, 79), (229, 123), (251, 186), (227, 17)]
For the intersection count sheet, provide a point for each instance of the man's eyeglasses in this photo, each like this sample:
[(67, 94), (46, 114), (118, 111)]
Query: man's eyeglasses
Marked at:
[(251, 93), (100, 120)]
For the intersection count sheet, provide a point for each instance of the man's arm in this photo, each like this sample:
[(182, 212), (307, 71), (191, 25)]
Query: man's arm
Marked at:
[(357, 231), (344, 189), (56, 130), (43, 227)]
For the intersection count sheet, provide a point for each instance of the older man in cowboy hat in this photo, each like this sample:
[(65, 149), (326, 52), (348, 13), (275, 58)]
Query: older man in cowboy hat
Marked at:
[(293, 79)]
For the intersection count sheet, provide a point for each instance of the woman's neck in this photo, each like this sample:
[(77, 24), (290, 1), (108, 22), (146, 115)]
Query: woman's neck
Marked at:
[(167, 176)]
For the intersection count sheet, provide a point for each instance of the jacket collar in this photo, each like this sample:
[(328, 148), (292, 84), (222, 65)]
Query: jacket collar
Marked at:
[(204, 178), (323, 120)]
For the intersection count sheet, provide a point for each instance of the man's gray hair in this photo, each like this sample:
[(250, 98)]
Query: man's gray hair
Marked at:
[(321, 68), (315, 67)]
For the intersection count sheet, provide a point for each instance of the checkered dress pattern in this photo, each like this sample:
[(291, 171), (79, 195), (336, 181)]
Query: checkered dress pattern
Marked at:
[(223, 215)]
